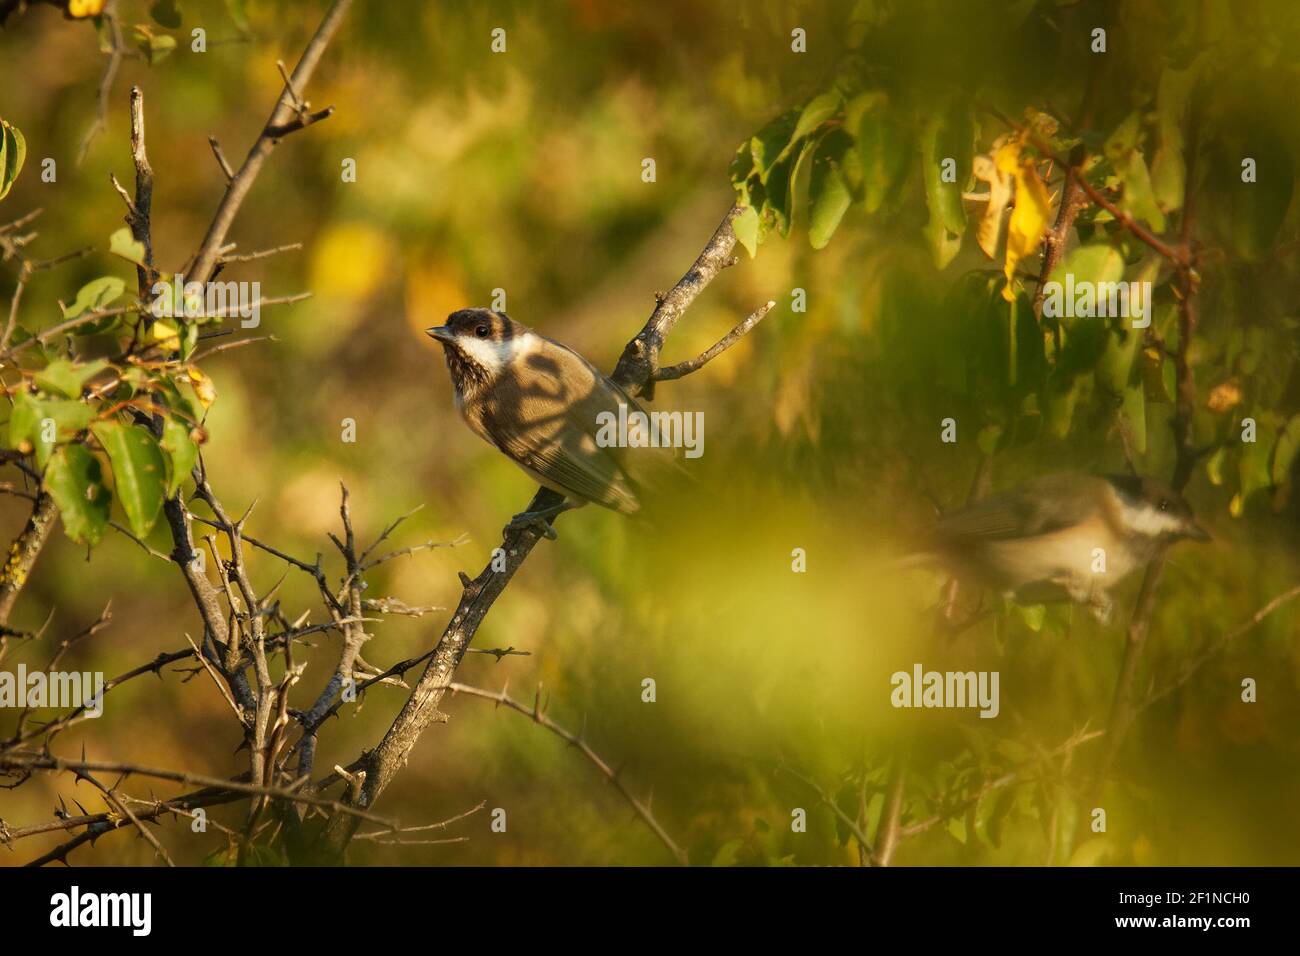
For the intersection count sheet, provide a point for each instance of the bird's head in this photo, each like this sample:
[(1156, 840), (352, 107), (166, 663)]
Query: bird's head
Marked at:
[(1151, 509), (478, 344)]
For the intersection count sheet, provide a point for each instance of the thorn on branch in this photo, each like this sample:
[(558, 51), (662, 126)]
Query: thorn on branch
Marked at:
[(221, 159)]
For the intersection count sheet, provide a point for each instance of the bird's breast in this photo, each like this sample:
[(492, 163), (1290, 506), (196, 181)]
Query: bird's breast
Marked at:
[(1085, 551)]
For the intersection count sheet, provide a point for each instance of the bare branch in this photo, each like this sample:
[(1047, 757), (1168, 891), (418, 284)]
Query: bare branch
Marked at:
[(682, 369), (1216, 647), (284, 119), (537, 716), (115, 53), (23, 760)]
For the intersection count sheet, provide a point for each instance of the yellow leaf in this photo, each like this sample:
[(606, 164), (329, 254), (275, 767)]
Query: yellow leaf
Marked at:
[(162, 331), (78, 9), (989, 231), (204, 390), (1028, 222)]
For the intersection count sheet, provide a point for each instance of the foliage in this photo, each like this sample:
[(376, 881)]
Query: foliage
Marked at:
[(521, 172)]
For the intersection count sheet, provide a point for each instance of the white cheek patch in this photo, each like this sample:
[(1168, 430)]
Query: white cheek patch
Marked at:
[(493, 355), (1151, 522)]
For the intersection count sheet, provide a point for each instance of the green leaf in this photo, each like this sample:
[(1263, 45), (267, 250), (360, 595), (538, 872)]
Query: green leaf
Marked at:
[(160, 47), (947, 136), (800, 179), (1168, 180), (741, 168), (828, 193), (729, 853), (1288, 444), (1253, 466), (745, 225), (138, 472), (1001, 806), (1214, 466), (95, 294), (154, 46), (780, 194), (1095, 263), (177, 400), (1135, 413), (1168, 167), (181, 452), (883, 152), (768, 144), (1123, 140), (819, 109), (75, 482), (1091, 852), (13, 150), (122, 244), (66, 378), (1062, 399), (39, 425), (1139, 197)]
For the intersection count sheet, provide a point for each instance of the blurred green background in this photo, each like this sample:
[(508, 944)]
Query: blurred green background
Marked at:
[(522, 171)]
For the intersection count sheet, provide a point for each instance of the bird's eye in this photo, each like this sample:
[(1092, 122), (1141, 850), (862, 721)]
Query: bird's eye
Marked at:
[(1164, 504), (481, 331)]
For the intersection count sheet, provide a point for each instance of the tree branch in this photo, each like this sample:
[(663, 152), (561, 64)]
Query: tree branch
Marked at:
[(285, 118)]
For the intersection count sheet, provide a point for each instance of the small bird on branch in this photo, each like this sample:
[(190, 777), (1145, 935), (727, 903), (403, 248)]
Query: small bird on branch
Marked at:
[(542, 405)]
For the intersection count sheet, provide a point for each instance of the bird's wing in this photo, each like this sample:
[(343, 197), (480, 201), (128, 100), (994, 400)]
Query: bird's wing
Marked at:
[(548, 425), (1040, 507)]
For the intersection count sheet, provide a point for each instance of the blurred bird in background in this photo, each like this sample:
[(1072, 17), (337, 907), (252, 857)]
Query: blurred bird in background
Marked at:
[(1061, 537)]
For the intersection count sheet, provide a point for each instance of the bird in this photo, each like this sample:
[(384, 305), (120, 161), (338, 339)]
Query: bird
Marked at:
[(1060, 537), (538, 402)]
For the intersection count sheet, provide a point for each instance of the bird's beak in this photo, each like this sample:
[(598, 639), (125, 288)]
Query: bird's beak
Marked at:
[(1197, 533), (440, 332)]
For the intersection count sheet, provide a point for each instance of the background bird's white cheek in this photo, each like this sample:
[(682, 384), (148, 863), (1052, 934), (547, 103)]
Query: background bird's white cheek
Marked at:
[(1150, 522)]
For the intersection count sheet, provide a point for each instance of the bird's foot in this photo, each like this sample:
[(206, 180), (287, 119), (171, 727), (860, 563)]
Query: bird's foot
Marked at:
[(1101, 607), (539, 520)]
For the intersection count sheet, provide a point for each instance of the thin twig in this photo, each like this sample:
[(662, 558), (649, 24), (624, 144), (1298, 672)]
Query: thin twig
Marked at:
[(538, 716)]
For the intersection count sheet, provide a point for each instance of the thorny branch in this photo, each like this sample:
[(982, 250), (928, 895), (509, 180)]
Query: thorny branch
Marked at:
[(537, 713)]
